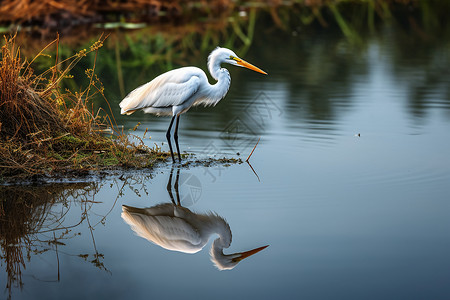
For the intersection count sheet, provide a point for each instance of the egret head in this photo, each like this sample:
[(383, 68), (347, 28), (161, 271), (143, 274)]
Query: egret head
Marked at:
[(228, 262), (224, 55)]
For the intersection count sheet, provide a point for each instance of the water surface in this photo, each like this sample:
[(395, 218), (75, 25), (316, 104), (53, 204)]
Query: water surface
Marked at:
[(351, 191)]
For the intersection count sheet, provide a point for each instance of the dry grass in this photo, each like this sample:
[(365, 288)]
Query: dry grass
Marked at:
[(23, 11), (24, 113), (50, 12), (45, 130)]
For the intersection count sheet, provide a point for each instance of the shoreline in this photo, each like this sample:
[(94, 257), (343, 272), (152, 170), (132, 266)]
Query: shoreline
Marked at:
[(70, 176)]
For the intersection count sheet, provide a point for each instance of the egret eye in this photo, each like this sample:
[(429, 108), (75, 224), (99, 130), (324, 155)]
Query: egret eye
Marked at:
[(232, 57)]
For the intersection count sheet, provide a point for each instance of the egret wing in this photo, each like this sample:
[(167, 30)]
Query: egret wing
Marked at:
[(166, 231), (167, 90)]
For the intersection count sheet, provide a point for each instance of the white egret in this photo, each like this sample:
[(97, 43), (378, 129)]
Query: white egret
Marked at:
[(176, 228), (174, 92)]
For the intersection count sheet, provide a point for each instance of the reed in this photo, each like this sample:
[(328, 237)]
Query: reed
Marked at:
[(48, 130)]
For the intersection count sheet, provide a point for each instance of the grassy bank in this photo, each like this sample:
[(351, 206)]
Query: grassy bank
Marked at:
[(48, 131)]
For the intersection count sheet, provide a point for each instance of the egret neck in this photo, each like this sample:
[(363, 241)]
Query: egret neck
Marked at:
[(218, 90)]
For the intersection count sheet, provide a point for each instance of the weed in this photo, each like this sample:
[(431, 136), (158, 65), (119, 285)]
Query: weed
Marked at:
[(45, 130)]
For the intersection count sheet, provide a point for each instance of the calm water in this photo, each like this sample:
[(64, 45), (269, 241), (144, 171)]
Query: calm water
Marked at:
[(352, 196)]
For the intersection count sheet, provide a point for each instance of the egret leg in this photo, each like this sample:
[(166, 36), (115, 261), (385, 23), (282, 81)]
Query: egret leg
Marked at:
[(168, 138), (169, 186), (175, 136), (176, 186)]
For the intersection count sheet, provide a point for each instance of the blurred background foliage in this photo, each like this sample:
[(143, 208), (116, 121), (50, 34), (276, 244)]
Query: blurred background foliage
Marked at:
[(150, 37)]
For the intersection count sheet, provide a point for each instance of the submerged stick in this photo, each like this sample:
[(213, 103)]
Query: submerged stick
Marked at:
[(253, 170), (252, 150)]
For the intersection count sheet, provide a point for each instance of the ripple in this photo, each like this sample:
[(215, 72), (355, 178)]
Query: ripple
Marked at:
[(414, 179)]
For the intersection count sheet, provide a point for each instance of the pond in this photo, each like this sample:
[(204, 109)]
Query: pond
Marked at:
[(348, 185)]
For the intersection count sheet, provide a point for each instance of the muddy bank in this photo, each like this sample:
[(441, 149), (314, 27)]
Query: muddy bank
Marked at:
[(69, 176)]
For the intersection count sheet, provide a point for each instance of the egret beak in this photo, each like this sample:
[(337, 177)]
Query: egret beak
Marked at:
[(247, 65), (248, 253)]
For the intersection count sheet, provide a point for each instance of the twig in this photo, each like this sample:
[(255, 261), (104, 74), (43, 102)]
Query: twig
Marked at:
[(252, 151), (253, 171)]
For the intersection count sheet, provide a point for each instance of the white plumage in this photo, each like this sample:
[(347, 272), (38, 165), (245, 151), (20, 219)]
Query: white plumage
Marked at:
[(168, 226), (176, 228), (174, 92), (170, 89)]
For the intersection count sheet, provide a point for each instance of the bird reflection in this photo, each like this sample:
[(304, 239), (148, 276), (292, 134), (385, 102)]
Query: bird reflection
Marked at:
[(176, 228)]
